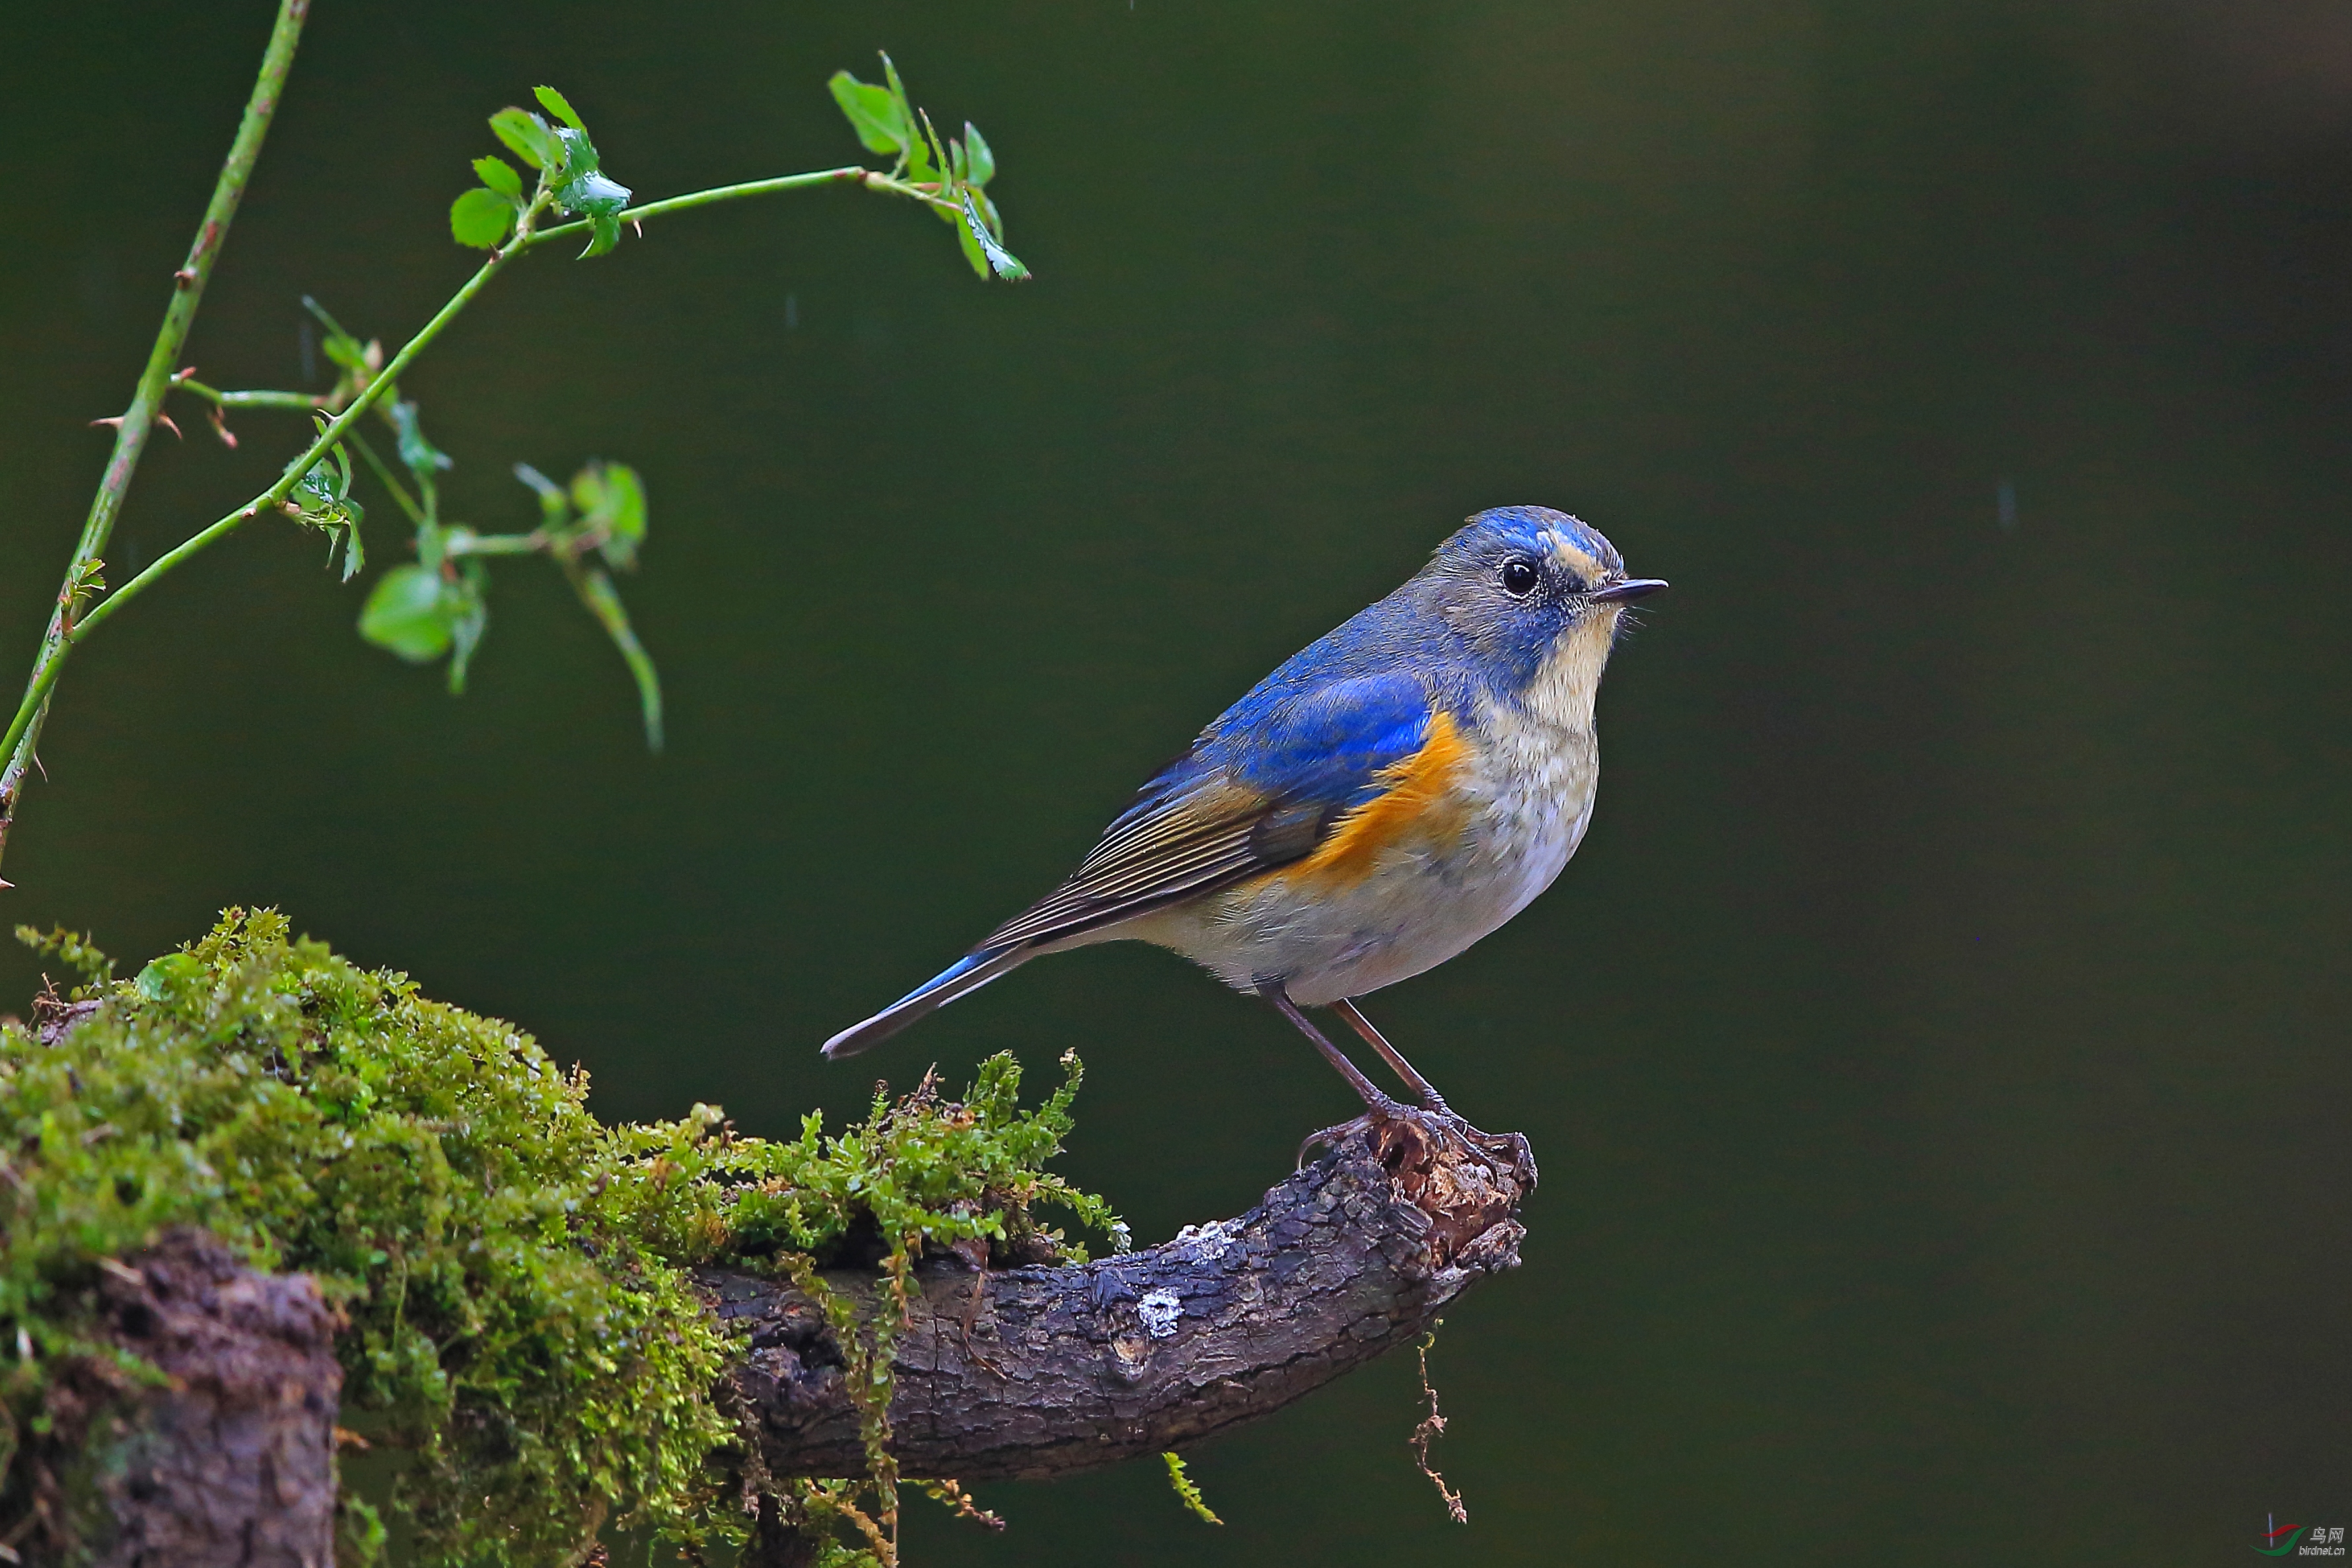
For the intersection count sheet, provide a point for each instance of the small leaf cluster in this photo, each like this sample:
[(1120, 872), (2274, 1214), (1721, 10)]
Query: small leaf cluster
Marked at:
[(953, 175), (321, 499), (601, 514), (420, 612), (438, 606), (520, 1322), (570, 178)]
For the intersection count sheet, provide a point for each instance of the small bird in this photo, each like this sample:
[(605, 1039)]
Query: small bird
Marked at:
[(1396, 791)]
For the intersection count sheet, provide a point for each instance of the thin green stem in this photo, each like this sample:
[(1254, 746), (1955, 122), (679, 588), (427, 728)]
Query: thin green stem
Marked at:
[(147, 400), (465, 541), (248, 399), (734, 193), (384, 472)]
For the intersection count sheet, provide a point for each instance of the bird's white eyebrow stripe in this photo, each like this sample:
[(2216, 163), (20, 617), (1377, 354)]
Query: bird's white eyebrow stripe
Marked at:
[(1587, 565)]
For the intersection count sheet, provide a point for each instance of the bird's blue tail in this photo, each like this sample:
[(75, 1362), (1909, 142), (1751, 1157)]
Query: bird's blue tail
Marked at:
[(966, 974)]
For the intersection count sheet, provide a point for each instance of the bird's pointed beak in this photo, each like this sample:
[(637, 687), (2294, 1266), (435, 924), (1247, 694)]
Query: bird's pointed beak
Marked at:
[(1630, 588)]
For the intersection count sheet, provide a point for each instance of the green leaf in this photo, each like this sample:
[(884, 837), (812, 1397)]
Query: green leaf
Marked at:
[(575, 154), (919, 167), (341, 348), (872, 112), (321, 497), (611, 500), (324, 487), (594, 196), (171, 973), (72, 947), (410, 614), (587, 191), (354, 557), (979, 161), (628, 493), (421, 457), (588, 491), (919, 161), (555, 104), (528, 137), (500, 176), (916, 155), (970, 247), (1001, 261), (481, 218), (604, 216), (469, 618), (315, 491), (553, 506)]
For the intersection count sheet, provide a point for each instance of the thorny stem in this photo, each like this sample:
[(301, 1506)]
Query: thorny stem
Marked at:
[(380, 383), (594, 589), (45, 675), (138, 419)]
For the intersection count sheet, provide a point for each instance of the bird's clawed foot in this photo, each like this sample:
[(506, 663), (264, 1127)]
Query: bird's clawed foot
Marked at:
[(1339, 1132), (1385, 1122)]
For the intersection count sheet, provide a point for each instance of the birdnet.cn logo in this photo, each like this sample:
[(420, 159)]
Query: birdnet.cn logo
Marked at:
[(2301, 1540)]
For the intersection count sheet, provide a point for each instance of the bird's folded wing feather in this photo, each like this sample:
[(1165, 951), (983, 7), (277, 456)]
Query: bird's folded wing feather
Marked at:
[(1258, 790)]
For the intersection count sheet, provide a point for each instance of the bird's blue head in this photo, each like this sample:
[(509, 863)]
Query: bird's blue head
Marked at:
[(1538, 596)]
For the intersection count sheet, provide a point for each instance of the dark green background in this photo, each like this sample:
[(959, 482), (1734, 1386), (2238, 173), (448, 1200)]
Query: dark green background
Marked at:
[(1937, 1054)]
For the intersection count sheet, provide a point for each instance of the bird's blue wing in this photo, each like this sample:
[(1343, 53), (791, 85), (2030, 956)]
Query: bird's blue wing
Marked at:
[(1327, 742), (1262, 787)]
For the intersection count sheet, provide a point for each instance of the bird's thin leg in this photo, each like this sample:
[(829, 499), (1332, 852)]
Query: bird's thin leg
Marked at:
[(1510, 1144), (1376, 1104), (1273, 992), (1391, 1054)]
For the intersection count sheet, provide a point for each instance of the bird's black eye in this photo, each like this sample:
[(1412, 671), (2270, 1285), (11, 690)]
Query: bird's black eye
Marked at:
[(1518, 577)]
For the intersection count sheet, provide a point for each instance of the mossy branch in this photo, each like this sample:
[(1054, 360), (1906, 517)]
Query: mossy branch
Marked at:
[(566, 1324), (520, 1319)]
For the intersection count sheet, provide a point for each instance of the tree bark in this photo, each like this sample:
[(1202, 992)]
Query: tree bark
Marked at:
[(1029, 1372), (232, 1462)]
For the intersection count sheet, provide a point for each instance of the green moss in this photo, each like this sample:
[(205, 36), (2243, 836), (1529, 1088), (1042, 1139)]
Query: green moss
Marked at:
[(511, 1267)]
